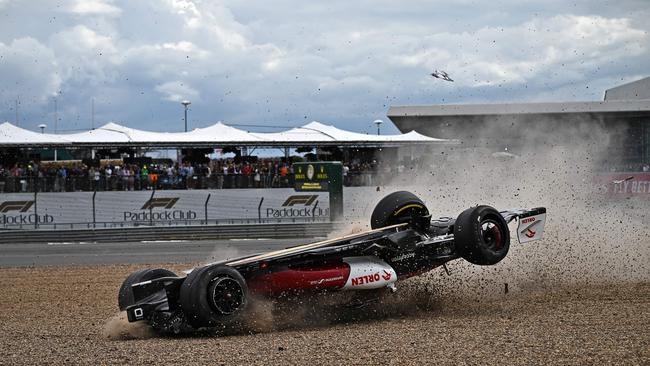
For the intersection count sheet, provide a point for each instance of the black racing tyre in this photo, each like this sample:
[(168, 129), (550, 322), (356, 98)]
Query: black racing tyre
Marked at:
[(481, 235), (125, 296), (399, 207), (213, 295)]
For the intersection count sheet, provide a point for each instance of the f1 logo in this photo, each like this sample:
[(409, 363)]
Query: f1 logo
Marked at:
[(21, 206), (167, 203), (300, 200)]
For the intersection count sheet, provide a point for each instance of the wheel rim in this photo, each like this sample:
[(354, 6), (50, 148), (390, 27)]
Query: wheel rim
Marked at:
[(492, 236), (227, 295)]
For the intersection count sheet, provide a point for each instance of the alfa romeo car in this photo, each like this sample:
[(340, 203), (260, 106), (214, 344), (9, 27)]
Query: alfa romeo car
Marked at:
[(403, 242)]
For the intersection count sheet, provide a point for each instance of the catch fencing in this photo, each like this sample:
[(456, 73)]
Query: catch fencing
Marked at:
[(75, 183)]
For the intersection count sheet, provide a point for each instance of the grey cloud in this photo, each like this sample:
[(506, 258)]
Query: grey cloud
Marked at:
[(93, 7), (285, 63), (29, 71)]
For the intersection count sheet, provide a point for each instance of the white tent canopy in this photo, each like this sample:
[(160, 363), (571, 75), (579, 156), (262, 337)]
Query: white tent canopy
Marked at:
[(15, 136), (318, 132), (218, 134)]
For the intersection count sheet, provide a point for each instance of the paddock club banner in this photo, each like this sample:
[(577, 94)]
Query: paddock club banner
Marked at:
[(127, 208), (21, 209)]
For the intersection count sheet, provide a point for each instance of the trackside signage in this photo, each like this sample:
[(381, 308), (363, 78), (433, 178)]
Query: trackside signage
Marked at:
[(160, 209), (623, 184), (21, 213), (299, 206), (130, 208), (311, 177)]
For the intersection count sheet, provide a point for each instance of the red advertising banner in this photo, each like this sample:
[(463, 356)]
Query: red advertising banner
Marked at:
[(623, 184)]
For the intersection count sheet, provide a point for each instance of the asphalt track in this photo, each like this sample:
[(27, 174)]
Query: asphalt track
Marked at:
[(63, 254)]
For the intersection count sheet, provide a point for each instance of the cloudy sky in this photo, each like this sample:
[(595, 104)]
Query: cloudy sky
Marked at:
[(285, 63)]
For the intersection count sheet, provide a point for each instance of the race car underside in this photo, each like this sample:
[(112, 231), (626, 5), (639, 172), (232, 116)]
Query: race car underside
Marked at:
[(411, 243)]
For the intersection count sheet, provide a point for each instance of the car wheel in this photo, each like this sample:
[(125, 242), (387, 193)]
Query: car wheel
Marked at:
[(125, 296), (481, 235), (400, 207), (213, 295)]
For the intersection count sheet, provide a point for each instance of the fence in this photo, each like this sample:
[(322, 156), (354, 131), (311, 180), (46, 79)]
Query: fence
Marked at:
[(26, 184)]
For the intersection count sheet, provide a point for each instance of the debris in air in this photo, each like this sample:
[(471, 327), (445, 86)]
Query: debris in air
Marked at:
[(622, 180), (441, 75)]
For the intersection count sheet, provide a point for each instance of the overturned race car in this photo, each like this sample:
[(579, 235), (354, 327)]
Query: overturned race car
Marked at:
[(404, 242)]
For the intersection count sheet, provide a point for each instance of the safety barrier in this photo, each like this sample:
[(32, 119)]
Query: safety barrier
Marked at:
[(135, 234), (84, 210)]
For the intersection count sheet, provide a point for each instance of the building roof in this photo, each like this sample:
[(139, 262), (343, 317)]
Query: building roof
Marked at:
[(639, 89)]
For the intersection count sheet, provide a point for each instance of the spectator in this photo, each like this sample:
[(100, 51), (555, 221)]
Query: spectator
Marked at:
[(246, 172), (144, 178), (284, 172), (257, 178)]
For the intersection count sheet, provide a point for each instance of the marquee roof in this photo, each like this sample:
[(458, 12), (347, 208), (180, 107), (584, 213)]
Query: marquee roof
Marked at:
[(218, 134), (16, 136)]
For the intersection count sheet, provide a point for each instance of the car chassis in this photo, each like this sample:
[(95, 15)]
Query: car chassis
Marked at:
[(404, 242)]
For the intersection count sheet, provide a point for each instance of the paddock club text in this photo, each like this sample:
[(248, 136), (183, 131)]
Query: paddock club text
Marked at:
[(292, 212)]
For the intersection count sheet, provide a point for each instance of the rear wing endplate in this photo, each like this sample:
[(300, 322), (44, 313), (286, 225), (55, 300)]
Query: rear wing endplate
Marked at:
[(531, 222)]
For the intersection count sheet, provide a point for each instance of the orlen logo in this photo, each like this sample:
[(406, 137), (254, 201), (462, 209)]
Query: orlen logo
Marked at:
[(386, 275), (21, 206), (167, 203), (528, 231), (361, 280)]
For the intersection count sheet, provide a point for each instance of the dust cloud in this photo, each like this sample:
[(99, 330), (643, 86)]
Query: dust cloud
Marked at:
[(222, 253), (119, 328), (589, 238)]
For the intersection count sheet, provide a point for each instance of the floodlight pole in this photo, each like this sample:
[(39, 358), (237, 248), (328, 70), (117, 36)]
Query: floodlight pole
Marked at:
[(56, 119), (42, 127), (56, 114), (186, 103), (378, 122)]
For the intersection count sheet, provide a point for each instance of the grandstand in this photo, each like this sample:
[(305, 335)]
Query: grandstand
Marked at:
[(113, 157)]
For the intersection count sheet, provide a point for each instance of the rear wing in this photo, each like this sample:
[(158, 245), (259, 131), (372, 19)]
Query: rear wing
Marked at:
[(531, 222)]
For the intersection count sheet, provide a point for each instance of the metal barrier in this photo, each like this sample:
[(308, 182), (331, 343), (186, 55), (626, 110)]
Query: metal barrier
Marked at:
[(29, 184), (130, 224), (134, 234)]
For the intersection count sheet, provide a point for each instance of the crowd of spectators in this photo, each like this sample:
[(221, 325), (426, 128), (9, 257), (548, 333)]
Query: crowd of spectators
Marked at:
[(217, 174), (628, 168)]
